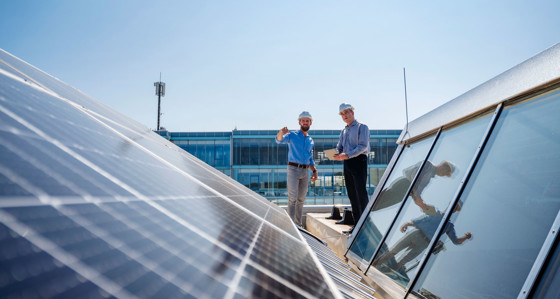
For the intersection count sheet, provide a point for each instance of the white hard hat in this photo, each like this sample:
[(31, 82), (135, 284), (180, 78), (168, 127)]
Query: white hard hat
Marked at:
[(345, 106), (305, 114)]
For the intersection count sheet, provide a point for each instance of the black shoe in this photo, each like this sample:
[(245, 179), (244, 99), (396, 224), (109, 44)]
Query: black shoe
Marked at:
[(335, 214), (346, 218)]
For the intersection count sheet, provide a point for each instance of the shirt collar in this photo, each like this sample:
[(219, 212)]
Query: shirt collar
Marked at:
[(299, 132), (352, 124)]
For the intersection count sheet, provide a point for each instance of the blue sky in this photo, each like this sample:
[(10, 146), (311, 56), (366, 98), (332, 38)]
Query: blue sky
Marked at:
[(258, 64)]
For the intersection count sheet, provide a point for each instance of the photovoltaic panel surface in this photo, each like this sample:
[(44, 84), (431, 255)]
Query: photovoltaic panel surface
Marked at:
[(93, 204), (347, 281)]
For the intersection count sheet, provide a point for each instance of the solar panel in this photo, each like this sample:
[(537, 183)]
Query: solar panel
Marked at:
[(95, 205), (347, 281)]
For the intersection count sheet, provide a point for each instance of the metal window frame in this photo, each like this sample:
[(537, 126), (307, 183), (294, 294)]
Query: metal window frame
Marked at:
[(540, 265)]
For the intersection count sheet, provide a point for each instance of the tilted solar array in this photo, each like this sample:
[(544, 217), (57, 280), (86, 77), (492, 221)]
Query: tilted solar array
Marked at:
[(94, 204), (347, 281)]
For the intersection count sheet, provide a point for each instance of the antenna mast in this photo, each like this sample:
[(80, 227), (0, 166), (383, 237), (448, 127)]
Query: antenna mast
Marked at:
[(405, 101), (160, 92)]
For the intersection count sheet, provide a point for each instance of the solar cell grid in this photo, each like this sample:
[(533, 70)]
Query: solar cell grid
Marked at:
[(30, 73), (249, 202), (213, 181), (99, 206), (56, 118), (256, 284), (8, 124), (273, 249), (185, 244), (17, 164), (116, 260), (60, 169), (88, 180), (277, 218), (9, 187), (219, 219), (199, 170)]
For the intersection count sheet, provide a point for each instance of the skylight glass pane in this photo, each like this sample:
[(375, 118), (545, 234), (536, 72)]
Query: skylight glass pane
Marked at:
[(428, 200), (388, 202)]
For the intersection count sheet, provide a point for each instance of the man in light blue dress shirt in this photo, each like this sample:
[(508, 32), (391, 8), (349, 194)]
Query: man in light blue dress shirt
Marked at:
[(300, 161), (353, 148)]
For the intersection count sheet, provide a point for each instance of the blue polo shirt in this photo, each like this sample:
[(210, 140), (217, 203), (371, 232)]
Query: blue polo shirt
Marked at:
[(300, 147)]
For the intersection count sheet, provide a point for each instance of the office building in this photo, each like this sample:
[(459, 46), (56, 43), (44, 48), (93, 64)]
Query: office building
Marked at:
[(253, 158)]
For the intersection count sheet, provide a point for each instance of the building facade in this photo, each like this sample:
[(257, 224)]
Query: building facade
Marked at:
[(254, 159)]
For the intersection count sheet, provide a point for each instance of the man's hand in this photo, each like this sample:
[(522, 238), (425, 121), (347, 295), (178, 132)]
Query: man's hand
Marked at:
[(405, 226), (341, 156), (314, 176), (281, 133), (462, 239)]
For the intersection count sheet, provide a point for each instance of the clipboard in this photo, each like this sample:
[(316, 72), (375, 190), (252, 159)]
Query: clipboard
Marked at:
[(330, 153)]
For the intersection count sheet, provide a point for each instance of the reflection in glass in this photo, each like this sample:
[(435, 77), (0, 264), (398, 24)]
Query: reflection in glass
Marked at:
[(509, 205), (425, 206), (387, 203)]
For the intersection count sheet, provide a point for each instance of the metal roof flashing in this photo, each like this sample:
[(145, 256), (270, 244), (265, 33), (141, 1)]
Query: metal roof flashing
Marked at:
[(536, 72)]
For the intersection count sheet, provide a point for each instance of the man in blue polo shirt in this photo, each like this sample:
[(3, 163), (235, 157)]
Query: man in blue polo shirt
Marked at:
[(300, 160)]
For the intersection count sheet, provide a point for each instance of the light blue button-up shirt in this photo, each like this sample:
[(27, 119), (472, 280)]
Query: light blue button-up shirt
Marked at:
[(354, 140), (428, 224), (300, 147)]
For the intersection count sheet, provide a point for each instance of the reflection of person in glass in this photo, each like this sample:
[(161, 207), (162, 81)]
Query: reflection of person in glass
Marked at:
[(396, 191), (416, 240)]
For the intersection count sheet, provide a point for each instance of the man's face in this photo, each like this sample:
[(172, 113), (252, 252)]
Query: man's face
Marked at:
[(305, 123), (347, 116)]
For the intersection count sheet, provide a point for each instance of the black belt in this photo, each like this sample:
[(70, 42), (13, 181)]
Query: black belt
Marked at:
[(298, 165)]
